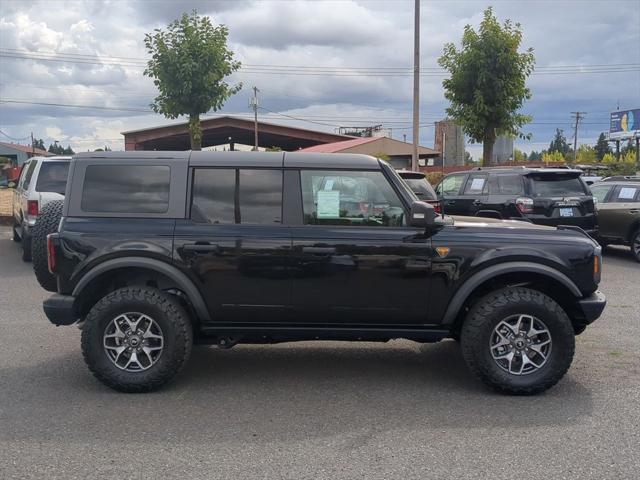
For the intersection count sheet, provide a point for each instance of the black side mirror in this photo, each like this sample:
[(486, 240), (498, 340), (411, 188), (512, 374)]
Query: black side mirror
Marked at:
[(422, 215)]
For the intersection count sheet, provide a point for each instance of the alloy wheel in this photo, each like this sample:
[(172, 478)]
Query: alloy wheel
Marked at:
[(133, 341), (520, 344)]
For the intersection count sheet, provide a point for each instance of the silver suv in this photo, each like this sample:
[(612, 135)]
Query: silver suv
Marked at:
[(43, 179)]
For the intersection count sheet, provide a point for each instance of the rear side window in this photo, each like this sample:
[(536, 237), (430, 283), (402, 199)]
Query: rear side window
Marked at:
[(29, 174), (246, 196), (126, 189), (506, 185), (451, 185), (53, 177), (421, 187), (556, 186)]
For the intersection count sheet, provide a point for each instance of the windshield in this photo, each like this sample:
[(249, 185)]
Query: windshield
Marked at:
[(556, 186), (421, 188), (53, 177)]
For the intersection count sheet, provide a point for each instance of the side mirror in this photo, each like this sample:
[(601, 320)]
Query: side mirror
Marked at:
[(11, 184), (422, 215)]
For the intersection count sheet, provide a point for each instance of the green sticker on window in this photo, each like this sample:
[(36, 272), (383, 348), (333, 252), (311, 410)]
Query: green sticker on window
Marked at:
[(328, 204)]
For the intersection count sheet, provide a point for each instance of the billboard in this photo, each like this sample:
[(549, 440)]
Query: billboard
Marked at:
[(624, 124)]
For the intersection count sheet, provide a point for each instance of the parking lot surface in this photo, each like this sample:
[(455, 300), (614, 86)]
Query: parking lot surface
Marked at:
[(316, 410)]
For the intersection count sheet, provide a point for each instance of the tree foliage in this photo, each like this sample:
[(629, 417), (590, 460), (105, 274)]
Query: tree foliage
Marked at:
[(189, 63), (586, 154), (487, 86), (552, 157), (559, 143), (39, 143), (57, 149), (519, 156), (602, 147)]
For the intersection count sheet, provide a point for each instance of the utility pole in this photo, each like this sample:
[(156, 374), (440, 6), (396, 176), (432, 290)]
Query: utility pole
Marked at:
[(254, 104), (578, 116), (416, 85), (33, 146)]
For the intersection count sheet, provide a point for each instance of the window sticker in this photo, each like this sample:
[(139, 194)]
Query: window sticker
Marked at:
[(328, 204), (627, 193), (329, 184), (477, 185)]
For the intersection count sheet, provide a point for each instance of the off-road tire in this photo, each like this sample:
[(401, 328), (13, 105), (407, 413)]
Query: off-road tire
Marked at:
[(635, 252), (26, 248), (46, 223), (167, 313), (487, 312)]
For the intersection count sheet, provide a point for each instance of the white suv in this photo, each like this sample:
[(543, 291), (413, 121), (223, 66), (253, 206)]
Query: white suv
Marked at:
[(43, 179)]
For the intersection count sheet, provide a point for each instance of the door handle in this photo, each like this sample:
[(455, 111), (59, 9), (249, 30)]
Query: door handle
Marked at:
[(450, 202), (200, 247), (319, 250), (477, 203)]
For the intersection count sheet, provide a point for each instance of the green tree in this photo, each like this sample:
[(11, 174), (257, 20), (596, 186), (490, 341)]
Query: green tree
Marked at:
[(602, 147), (487, 85), (519, 156), (552, 157), (189, 62), (587, 154), (68, 150), (535, 156), (39, 143), (56, 148), (559, 143)]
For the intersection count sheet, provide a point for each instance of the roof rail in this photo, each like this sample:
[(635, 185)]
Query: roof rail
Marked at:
[(499, 167)]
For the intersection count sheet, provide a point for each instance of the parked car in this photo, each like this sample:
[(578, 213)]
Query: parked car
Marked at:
[(619, 212), (419, 184), (42, 180), (545, 196), (246, 247)]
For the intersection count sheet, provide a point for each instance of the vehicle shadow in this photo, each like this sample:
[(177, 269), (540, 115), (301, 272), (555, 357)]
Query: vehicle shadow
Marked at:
[(287, 392)]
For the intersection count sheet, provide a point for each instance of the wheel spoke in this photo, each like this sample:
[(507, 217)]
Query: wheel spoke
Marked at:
[(133, 341), (134, 358)]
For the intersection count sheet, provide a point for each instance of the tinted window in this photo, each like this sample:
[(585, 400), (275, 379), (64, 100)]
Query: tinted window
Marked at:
[(421, 188), (349, 198), (556, 186), (258, 194), (600, 192), (626, 193), (214, 196), (53, 177), (29, 174), (126, 189), (475, 184), (509, 185), (451, 185)]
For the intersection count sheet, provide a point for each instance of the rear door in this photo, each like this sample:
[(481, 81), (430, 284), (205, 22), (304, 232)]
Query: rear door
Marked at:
[(620, 212), (561, 198), (474, 195), (235, 244), (450, 190), (603, 193), (504, 189)]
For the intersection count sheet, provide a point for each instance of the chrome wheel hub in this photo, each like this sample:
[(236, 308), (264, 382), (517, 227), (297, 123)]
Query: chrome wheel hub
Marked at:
[(520, 344), (133, 341)]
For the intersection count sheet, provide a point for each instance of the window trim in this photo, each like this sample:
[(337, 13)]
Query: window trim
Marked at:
[(236, 195)]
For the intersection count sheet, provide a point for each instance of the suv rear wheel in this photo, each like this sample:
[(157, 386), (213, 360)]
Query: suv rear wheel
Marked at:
[(136, 339), (518, 341), (635, 245)]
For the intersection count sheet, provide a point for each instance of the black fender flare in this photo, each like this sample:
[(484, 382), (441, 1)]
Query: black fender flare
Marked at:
[(493, 271), (182, 281)]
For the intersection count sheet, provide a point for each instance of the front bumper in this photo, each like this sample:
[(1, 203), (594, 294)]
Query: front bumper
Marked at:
[(592, 306), (60, 309)]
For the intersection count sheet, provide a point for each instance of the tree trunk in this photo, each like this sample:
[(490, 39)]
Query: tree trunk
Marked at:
[(487, 145), (195, 132)]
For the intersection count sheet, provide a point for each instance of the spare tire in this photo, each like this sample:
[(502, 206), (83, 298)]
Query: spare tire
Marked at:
[(46, 223)]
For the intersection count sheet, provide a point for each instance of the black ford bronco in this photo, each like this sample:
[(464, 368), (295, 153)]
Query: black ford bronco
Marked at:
[(156, 251)]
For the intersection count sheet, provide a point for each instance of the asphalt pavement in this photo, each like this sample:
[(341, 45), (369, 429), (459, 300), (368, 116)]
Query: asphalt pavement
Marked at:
[(396, 410)]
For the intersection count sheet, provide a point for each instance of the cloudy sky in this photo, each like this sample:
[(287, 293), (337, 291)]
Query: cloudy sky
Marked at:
[(72, 70)]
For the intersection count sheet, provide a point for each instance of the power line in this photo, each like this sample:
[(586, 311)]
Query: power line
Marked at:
[(15, 139)]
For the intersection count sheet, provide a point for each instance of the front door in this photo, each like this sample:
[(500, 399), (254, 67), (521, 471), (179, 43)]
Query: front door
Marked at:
[(235, 245), (355, 261)]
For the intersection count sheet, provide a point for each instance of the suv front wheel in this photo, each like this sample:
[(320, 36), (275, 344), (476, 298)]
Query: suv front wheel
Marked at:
[(518, 341), (136, 339)]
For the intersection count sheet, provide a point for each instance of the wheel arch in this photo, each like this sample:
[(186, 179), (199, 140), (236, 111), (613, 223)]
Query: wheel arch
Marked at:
[(541, 277), (633, 228), (135, 271)]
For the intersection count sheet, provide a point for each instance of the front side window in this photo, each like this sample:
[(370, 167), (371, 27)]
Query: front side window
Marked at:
[(351, 198), (126, 189), (246, 196), (600, 192), (450, 186), (53, 177)]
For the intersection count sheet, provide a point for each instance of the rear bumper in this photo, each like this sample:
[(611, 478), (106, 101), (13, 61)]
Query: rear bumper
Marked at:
[(60, 309), (592, 306)]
